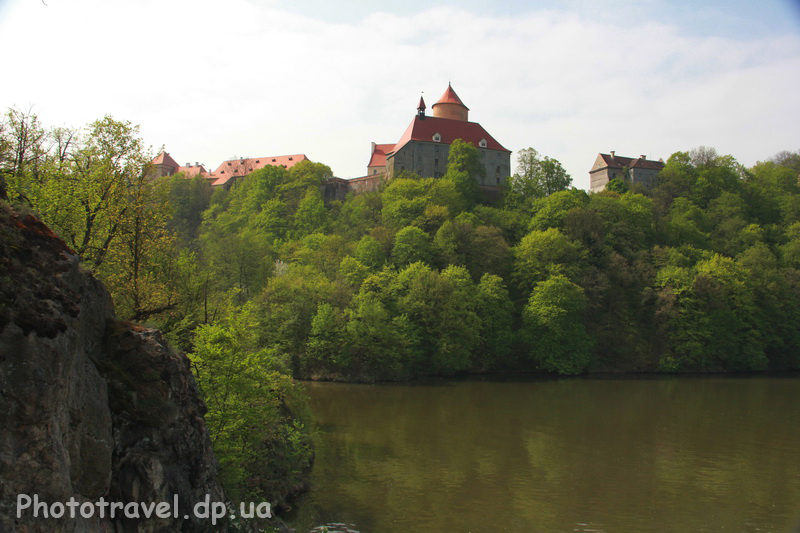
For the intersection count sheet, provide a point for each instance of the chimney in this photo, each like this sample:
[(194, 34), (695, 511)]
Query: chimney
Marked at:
[(196, 164), (188, 164), (612, 154), (642, 156)]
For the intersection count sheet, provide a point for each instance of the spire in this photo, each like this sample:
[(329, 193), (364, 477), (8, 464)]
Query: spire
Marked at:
[(421, 108), (450, 97), (450, 106)]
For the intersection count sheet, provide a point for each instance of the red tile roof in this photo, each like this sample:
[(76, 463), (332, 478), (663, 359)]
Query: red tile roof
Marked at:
[(619, 161), (378, 158), (190, 172), (450, 97), (234, 168), (423, 129), (164, 159)]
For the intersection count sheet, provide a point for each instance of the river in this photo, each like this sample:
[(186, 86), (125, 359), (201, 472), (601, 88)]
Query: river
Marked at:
[(584, 454)]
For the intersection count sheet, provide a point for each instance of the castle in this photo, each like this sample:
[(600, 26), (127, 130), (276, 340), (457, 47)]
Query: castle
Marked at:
[(228, 172), (635, 171), (425, 145)]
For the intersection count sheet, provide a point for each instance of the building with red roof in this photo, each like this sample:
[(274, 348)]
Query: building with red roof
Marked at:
[(229, 171), (425, 145), (165, 165), (641, 171), (377, 160)]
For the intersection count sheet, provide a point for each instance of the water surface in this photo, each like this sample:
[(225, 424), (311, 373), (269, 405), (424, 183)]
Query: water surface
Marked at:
[(658, 454)]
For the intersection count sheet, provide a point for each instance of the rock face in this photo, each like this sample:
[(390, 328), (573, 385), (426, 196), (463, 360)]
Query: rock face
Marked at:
[(90, 407)]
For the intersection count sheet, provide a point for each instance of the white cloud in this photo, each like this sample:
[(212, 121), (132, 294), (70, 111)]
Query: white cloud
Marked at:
[(213, 80)]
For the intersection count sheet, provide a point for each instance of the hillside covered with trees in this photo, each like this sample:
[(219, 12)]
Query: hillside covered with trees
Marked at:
[(265, 282)]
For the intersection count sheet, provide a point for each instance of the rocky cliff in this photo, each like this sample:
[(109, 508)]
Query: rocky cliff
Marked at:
[(90, 407)]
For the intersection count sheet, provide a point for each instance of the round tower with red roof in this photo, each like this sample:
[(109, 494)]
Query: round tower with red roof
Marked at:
[(450, 106)]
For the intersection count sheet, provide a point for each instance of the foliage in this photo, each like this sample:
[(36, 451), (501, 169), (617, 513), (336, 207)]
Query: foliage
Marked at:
[(267, 280), (536, 177), (254, 411), (553, 326)]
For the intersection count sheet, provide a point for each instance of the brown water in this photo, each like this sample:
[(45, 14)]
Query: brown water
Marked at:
[(664, 454)]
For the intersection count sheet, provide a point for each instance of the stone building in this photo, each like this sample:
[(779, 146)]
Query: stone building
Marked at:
[(165, 165), (229, 171), (635, 171), (425, 145)]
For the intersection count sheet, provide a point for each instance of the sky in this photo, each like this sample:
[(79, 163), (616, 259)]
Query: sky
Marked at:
[(213, 80)]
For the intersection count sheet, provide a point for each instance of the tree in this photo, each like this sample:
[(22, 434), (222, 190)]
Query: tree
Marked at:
[(495, 309), (543, 254), (254, 412), (535, 177), (465, 170), (111, 160), (311, 215), (553, 326), (370, 252), (23, 147), (411, 244)]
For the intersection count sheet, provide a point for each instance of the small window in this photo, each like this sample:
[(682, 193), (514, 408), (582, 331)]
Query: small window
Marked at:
[(290, 159), (257, 161), (222, 172), (482, 144), (437, 138), (436, 162), (273, 159)]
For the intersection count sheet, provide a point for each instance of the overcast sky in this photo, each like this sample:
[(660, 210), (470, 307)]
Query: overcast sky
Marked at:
[(213, 80)]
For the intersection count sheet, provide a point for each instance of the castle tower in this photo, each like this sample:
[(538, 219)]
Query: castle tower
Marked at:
[(421, 108), (450, 106)]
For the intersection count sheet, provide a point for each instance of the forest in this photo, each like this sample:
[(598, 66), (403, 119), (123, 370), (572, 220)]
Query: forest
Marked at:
[(266, 283)]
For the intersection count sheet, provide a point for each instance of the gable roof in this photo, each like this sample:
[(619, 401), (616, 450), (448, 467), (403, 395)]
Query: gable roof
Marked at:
[(618, 161), (378, 157), (235, 168), (190, 172), (165, 159), (450, 97), (423, 129)]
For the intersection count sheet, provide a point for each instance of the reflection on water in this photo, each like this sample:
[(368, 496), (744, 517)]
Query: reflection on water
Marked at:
[(665, 454)]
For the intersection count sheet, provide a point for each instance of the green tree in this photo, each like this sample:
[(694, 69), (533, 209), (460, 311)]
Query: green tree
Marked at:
[(553, 327), (254, 413), (411, 244), (465, 170), (496, 336), (311, 215), (370, 252), (535, 177), (543, 254)]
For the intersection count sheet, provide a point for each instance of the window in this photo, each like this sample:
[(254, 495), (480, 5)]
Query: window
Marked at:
[(436, 162), (437, 138), (482, 143)]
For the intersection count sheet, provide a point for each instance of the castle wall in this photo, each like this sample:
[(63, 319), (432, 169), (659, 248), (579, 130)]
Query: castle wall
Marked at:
[(429, 160)]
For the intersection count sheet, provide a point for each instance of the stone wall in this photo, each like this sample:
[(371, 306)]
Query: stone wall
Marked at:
[(429, 160)]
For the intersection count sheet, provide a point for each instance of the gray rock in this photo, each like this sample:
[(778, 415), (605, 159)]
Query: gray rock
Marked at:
[(89, 407)]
